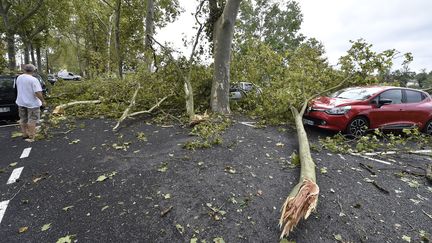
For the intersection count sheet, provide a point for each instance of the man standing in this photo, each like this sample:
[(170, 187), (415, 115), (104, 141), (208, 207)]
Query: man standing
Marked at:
[(29, 101)]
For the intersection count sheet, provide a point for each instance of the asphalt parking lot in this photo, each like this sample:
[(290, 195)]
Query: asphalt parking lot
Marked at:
[(92, 185)]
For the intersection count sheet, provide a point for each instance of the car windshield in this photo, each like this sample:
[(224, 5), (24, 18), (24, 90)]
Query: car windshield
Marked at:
[(355, 93)]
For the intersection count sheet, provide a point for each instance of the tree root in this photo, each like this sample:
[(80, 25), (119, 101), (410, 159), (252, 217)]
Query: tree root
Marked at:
[(301, 205)]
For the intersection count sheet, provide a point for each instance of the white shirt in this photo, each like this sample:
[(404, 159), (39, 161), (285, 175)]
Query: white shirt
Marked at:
[(27, 86)]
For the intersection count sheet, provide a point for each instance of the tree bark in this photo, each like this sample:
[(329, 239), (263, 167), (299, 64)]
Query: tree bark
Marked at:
[(33, 59), (38, 58), (117, 38), (10, 39), (149, 29), (26, 52), (223, 35)]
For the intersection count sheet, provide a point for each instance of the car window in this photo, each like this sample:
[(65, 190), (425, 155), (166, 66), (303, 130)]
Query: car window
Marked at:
[(395, 95), (413, 96), (355, 93)]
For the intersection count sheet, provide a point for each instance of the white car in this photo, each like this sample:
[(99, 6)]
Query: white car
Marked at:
[(240, 90), (65, 75)]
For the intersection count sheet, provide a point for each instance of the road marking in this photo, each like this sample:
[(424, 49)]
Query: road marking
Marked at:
[(15, 175), (3, 206), (25, 153), (369, 158)]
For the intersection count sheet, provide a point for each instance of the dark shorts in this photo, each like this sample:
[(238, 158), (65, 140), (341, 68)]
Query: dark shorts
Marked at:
[(29, 115)]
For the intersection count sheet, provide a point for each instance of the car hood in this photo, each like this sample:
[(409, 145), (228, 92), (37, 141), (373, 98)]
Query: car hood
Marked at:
[(328, 102)]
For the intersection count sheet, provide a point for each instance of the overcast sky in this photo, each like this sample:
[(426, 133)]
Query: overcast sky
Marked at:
[(405, 25)]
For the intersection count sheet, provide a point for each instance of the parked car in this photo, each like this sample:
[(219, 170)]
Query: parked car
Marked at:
[(65, 75), (358, 109), (52, 79), (241, 89), (8, 94)]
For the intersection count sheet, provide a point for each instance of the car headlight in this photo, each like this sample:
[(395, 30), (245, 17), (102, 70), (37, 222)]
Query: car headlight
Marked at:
[(338, 110)]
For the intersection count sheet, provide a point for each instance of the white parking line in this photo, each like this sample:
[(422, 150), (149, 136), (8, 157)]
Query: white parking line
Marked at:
[(25, 153), (15, 175), (369, 158), (3, 206)]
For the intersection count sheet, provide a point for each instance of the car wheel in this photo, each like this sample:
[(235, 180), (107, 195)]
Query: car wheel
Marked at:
[(428, 128), (358, 126)]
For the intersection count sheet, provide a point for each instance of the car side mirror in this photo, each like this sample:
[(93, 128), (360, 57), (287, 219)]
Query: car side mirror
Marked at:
[(382, 102)]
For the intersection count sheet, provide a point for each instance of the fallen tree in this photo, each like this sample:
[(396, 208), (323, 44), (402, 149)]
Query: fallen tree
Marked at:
[(58, 110), (303, 198)]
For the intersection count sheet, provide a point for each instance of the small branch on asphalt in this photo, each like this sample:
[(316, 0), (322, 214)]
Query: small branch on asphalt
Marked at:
[(382, 189), (58, 110), (430, 216), (166, 211), (368, 168)]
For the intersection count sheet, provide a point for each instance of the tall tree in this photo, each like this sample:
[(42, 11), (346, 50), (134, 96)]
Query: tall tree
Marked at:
[(14, 14), (222, 20), (276, 23), (149, 29)]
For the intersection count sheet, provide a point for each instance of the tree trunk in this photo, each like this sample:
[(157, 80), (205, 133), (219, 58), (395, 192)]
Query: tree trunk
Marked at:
[(117, 39), (223, 35), (47, 61), (10, 38), (33, 59), (26, 52), (108, 64), (149, 27), (38, 57)]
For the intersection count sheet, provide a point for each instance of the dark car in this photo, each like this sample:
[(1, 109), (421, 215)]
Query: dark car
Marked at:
[(358, 109), (8, 94), (52, 79)]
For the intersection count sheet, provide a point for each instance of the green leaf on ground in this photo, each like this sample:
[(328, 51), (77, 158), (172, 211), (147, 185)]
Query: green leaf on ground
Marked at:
[(180, 228), (218, 240), (194, 240), (102, 178), (75, 141), (66, 239), (166, 196), (406, 238), (46, 227), (22, 229), (338, 237), (67, 208), (16, 134), (230, 169), (13, 164), (105, 208), (163, 168), (323, 170)]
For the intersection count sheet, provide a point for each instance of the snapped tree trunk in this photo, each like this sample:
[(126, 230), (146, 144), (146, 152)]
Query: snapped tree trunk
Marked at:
[(303, 198), (223, 35), (149, 29)]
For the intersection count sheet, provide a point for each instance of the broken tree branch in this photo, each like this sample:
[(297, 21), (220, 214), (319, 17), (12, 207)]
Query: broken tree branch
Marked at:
[(58, 110), (151, 109), (303, 198), (131, 104)]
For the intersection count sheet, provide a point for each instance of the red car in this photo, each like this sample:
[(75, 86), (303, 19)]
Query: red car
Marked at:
[(355, 110)]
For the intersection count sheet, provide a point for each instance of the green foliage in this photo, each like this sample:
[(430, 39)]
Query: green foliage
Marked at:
[(209, 133), (378, 141), (275, 23)]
